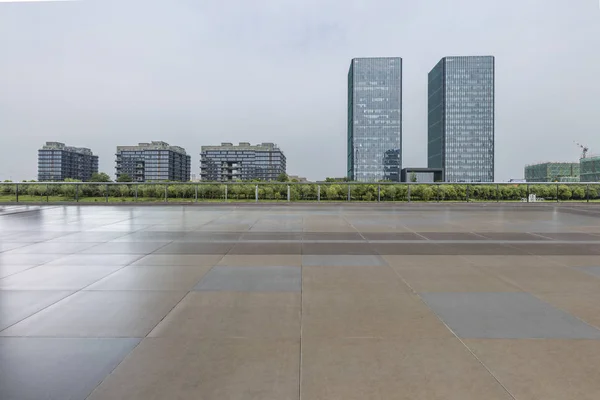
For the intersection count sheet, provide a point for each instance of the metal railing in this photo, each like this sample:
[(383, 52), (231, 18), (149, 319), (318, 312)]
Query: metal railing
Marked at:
[(187, 192)]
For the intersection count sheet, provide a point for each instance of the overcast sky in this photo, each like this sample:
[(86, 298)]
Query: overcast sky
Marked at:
[(99, 74)]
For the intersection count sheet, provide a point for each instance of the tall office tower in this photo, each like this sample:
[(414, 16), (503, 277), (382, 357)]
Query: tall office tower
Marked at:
[(153, 162), (375, 119), (57, 162), (461, 118), (243, 162)]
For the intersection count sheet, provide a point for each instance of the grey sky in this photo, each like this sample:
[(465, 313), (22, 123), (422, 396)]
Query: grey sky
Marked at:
[(105, 73)]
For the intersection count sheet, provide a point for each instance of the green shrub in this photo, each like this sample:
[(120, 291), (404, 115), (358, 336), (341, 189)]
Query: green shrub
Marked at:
[(9, 189), (564, 192), (578, 192), (333, 192)]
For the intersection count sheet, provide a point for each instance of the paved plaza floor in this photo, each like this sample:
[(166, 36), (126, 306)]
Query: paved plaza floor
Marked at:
[(300, 301)]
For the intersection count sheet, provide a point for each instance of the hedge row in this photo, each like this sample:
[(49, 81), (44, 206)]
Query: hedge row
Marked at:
[(333, 192)]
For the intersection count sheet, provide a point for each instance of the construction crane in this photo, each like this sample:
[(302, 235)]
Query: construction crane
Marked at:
[(584, 149)]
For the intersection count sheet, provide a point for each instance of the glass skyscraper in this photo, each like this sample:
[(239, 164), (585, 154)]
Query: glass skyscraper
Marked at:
[(461, 118), (375, 119)]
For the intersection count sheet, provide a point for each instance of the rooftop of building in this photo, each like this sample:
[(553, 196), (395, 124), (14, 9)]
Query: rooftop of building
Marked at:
[(265, 146), (62, 146), (154, 145), (590, 157), (553, 163)]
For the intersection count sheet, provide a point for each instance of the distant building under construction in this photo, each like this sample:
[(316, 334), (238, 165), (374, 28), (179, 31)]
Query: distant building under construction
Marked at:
[(590, 169), (552, 172)]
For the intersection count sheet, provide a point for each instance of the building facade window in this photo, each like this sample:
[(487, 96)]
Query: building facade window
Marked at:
[(374, 119), (461, 109), (243, 162), (57, 162), (153, 162)]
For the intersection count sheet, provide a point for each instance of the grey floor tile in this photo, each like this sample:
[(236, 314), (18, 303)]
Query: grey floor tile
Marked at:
[(117, 260), (591, 270), (197, 260), (252, 279), (87, 237), (337, 248), (510, 236), (146, 236), (45, 277), (16, 305), (196, 248), (506, 316), (332, 236), (57, 368), (52, 248), (392, 236), (207, 369), (408, 249), (451, 236), (100, 314), (266, 248), (172, 277), (27, 259), (7, 270), (125, 248), (556, 249), (342, 260), (7, 246)]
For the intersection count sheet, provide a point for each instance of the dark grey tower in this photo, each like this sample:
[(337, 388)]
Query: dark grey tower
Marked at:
[(461, 118), (375, 119)]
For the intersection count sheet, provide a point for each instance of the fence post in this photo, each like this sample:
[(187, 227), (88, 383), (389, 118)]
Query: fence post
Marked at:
[(379, 192), (349, 195), (106, 194), (17, 191), (497, 193), (528, 192), (196, 193), (77, 193), (557, 192), (587, 192), (166, 189), (136, 191), (47, 189), (226, 192), (318, 193), (468, 193), (288, 193), (256, 193), (437, 193), (409, 193)]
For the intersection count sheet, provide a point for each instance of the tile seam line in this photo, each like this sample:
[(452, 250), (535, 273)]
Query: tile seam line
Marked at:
[(455, 335), (74, 292), (544, 301), (301, 320), (149, 331), (116, 366)]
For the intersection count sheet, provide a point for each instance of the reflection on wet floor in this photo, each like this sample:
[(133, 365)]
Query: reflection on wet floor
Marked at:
[(300, 301)]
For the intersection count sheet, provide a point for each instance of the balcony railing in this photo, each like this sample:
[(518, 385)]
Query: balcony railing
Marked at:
[(185, 192)]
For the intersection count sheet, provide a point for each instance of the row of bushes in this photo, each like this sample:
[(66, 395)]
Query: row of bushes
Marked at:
[(358, 192)]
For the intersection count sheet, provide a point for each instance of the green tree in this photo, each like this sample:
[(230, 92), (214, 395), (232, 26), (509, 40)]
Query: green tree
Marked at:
[(413, 177), (283, 177), (100, 177), (124, 178)]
